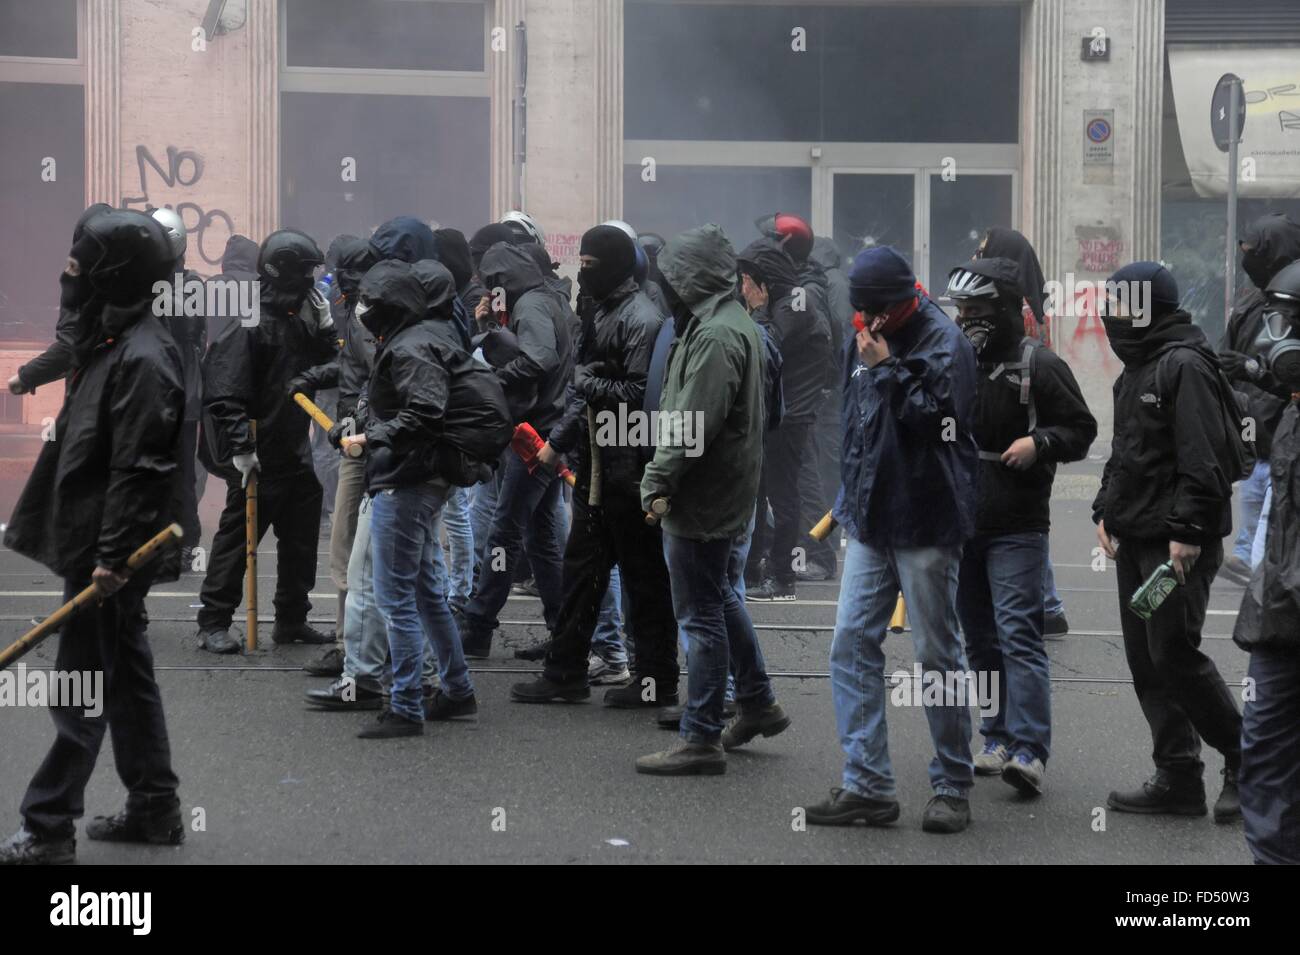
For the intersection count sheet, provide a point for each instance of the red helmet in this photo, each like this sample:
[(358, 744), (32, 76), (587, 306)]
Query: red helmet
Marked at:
[(794, 234)]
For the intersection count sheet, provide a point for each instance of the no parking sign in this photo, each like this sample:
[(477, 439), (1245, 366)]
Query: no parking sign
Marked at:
[(1098, 136)]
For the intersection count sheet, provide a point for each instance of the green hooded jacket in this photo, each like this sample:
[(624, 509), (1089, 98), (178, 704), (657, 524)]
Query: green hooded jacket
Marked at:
[(710, 449)]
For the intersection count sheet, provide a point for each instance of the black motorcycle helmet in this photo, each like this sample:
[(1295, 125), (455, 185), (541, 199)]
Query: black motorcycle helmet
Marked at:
[(120, 254), (288, 260)]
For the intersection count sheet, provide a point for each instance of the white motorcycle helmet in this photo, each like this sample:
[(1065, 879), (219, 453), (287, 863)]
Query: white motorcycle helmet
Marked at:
[(174, 226), (524, 227)]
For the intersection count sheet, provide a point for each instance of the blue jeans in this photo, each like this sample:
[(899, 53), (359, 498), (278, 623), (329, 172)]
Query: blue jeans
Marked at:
[(1250, 497), (720, 635), (1000, 605), (1261, 532), (411, 592), (483, 504), (365, 640), (872, 578), (736, 574), (1052, 604), (607, 638), (1270, 759), (460, 537), (526, 507)]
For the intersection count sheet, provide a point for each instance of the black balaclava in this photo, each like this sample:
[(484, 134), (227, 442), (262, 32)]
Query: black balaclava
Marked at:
[(453, 252), (1276, 241), (75, 290), (486, 237), (1129, 339), (354, 259), (615, 256), (390, 298), (994, 336), (1010, 244)]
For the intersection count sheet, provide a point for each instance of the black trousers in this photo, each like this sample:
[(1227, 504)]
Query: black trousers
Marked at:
[(289, 503), (192, 532), (1178, 687), (615, 533), (783, 452), (819, 482), (108, 636)]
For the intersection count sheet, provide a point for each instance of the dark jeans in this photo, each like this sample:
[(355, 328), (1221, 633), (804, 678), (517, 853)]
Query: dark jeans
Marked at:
[(525, 509), (291, 504), (783, 451), (1000, 606), (1270, 758), (615, 533), (1178, 687), (719, 636), (819, 482), (109, 635), (189, 515)]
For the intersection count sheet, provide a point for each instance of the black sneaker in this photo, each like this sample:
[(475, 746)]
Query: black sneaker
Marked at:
[(771, 591), (440, 706), (26, 848), (329, 663), (549, 691), (1055, 625), (946, 814), (391, 726), (299, 633), (844, 808), (814, 573), (1227, 808), (638, 695), (346, 695), (219, 641), (1162, 795), (164, 830), (536, 652)]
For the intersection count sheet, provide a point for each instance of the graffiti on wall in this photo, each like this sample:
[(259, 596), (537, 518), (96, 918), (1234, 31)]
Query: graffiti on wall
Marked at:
[(183, 169)]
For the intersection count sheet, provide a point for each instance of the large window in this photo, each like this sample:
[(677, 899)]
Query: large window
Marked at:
[(384, 111)]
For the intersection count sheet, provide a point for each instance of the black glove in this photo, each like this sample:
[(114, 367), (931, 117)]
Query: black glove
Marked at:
[(584, 378), (337, 433), (1240, 367), (304, 385)]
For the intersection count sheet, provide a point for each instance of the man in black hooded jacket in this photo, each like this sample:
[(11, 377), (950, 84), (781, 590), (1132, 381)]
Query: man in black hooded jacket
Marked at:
[(610, 379), (99, 490), (802, 334), (1268, 245), (245, 376), (534, 383), (1165, 495)]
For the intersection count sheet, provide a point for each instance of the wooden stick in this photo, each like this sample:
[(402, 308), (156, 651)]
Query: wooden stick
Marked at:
[(658, 508), (28, 641), (322, 419), (250, 552), (898, 621), (823, 528)]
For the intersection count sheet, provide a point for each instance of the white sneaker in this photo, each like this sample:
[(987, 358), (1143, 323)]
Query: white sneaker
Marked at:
[(990, 761), (1025, 773), (602, 673)]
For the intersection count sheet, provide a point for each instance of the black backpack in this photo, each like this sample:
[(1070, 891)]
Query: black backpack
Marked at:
[(1240, 454)]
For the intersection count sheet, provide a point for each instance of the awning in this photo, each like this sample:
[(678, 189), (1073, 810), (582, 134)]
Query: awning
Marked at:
[(1270, 142)]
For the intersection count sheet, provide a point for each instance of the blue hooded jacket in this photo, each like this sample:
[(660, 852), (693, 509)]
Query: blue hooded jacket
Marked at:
[(909, 458)]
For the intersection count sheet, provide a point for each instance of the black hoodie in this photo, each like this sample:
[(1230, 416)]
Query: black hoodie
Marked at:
[(1000, 243), (803, 335), (1164, 479), (538, 319)]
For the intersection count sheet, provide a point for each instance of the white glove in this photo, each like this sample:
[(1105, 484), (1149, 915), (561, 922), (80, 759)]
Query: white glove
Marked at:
[(322, 309), (247, 464)]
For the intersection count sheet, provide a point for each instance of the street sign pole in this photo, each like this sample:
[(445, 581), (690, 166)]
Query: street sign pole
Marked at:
[(1230, 268)]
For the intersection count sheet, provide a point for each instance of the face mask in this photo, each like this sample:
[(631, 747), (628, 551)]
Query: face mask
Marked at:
[(978, 331), (1278, 348), (74, 291), (1254, 265), (592, 281), (893, 317), (368, 316)]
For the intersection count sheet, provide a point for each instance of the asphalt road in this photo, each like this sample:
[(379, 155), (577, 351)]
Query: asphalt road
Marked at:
[(275, 781)]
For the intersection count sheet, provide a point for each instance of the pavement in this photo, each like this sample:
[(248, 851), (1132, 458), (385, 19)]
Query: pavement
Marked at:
[(267, 779)]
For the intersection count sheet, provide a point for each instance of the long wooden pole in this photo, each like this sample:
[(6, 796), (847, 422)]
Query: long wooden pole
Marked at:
[(250, 551)]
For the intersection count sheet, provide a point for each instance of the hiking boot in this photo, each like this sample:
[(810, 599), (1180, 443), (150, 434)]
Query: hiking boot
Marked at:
[(770, 591), (550, 691), (329, 663), (767, 720), (26, 848), (1227, 808), (844, 808), (1025, 773), (346, 695), (439, 706), (162, 830), (990, 760), (390, 725), (946, 814), (642, 692), (475, 644), (670, 717), (685, 759), (219, 641), (299, 633), (1055, 625), (600, 672), (1163, 795)]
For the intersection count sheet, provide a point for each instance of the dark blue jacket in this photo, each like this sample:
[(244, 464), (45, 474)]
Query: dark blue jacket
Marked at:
[(909, 462)]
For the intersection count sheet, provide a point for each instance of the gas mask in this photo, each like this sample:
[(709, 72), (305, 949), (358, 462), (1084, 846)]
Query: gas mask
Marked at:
[(979, 328), (1277, 346)]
